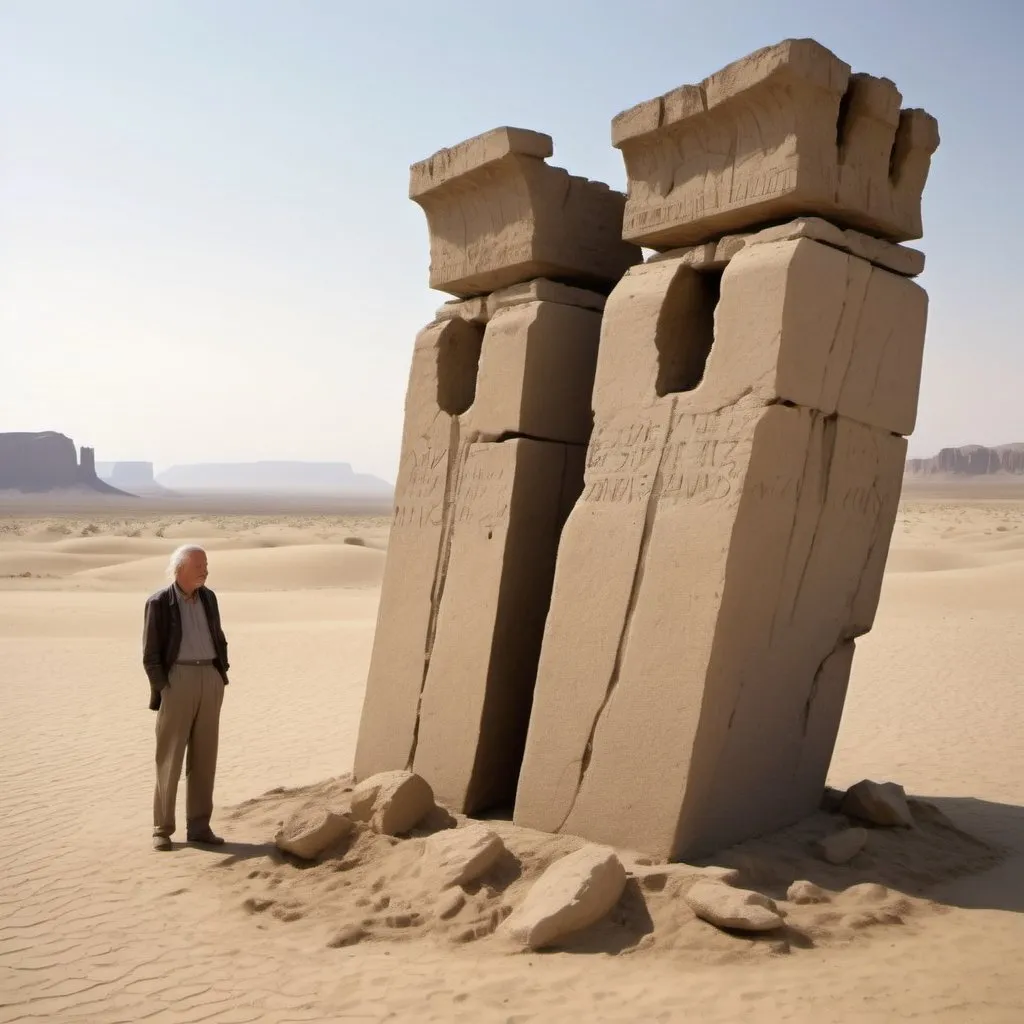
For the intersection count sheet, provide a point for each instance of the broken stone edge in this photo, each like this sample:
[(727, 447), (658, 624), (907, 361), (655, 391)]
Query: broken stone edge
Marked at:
[(900, 259)]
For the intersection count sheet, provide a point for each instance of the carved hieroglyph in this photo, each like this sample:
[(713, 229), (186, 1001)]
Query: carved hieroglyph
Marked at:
[(787, 131), (497, 419), (499, 215), (729, 543)]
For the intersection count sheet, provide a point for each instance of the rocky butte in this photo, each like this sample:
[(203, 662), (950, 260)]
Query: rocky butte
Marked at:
[(47, 461), (971, 460), (636, 538)]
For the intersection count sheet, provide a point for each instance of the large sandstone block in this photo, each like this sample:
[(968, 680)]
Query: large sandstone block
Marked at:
[(537, 373), (442, 385), (499, 215), (786, 131), (497, 417), (512, 501), (728, 548)]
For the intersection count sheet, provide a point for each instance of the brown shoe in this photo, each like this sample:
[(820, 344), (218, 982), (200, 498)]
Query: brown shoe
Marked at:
[(162, 843), (206, 838)]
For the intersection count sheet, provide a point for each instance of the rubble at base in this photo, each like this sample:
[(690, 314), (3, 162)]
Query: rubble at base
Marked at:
[(454, 880)]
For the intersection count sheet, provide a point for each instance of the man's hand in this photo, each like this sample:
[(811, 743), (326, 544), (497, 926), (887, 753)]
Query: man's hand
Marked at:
[(155, 694)]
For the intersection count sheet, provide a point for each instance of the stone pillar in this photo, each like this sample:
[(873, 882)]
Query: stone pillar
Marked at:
[(752, 398), (87, 465), (497, 418)]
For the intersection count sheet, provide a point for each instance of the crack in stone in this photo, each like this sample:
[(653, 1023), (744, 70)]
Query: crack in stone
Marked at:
[(835, 334), (458, 448), (785, 561), (516, 435), (828, 446), (853, 341), (812, 693), (456, 455), (650, 510)]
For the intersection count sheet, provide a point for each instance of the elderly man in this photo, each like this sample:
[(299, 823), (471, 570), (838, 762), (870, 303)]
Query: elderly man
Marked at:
[(185, 655)]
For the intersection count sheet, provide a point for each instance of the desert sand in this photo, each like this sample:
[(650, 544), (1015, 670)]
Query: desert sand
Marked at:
[(96, 926)]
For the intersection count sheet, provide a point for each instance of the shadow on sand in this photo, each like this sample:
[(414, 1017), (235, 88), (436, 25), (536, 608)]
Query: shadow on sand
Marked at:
[(1002, 886)]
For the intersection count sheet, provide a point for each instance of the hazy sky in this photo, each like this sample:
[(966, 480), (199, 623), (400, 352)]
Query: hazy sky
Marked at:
[(207, 251)]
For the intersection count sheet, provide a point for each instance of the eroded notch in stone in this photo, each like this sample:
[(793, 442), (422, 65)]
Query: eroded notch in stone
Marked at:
[(458, 363), (686, 330)]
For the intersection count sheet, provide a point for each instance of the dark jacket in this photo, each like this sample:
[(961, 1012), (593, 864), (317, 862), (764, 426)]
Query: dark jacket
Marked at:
[(161, 638)]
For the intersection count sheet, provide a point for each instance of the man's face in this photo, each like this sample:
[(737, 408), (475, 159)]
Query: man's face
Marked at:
[(193, 573)]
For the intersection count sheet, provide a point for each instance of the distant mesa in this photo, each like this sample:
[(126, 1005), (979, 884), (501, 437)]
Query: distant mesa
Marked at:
[(136, 477), (307, 478), (35, 463), (971, 460)]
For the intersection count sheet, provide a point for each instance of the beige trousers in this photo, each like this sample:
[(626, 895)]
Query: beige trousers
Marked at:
[(188, 719)]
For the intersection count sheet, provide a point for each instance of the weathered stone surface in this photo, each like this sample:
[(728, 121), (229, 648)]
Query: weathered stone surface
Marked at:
[(461, 855), (880, 803), (392, 802), (738, 909), (499, 215), (728, 548), (308, 834), (510, 503), (843, 846), (536, 373), (900, 259), (475, 310), (803, 892), (656, 876), (442, 385), (479, 509), (542, 289), (786, 131), (481, 308), (573, 893)]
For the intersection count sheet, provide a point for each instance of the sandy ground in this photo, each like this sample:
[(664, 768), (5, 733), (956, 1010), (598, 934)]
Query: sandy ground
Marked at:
[(97, 927)]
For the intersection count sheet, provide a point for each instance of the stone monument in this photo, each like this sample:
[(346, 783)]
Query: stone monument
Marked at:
[(497, 419), (756, 382)]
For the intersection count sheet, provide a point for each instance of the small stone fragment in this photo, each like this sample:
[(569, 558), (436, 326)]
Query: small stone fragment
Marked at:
[(573, 893), (655, 877), (880, 803), (739, 909), (461, 855), (841, 847), (307, 835), (349, 935), (392, 802), (867, 892), (804, 892), (450, 903)]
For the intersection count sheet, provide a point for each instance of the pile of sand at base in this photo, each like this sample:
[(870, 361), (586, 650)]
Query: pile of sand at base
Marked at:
[(372, 887)]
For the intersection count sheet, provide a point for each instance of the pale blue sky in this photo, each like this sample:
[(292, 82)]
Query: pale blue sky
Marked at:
[(207, 252)]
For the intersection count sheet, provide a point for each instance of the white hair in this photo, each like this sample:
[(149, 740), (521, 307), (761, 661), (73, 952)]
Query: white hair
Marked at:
[(180, 556)]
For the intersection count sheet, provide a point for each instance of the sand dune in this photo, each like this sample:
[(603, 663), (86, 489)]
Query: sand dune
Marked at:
[(272, 568), (95, 927)]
